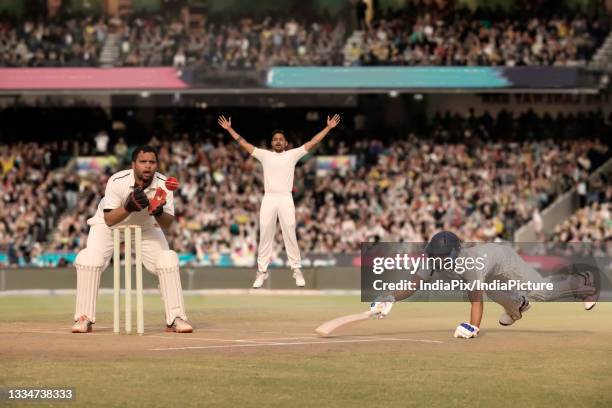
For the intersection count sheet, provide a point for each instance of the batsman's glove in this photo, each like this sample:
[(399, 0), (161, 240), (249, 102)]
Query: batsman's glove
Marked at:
[(382, 306), (136, 201), (466, 331)]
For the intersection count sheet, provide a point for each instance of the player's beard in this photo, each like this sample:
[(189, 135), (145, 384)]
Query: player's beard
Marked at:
[(144, 179)]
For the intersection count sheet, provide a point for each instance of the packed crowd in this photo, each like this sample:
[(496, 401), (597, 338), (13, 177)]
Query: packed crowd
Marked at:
[(430, 35), (589, 224), (421, 33), (399, 190), (36, 192), (73, 42), (413, 188), (153, 40), (248, 43), (592, 222)]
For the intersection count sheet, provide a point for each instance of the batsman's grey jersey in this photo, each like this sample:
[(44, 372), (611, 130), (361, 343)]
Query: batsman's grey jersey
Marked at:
[(500, 262)]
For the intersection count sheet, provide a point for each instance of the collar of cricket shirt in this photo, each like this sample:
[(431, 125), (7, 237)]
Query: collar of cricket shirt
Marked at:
[(152, 186)]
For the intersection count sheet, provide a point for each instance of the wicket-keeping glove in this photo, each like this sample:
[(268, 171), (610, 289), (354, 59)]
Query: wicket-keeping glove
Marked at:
[(136, 201), (382, 306), (156, 205), (466, 331), (159, 210)]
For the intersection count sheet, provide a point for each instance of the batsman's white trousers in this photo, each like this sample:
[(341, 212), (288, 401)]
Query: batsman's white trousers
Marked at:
[(273, 206), (94, 259)]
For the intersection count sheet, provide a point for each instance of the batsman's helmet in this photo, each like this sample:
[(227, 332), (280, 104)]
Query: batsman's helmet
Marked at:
[(443, 244)]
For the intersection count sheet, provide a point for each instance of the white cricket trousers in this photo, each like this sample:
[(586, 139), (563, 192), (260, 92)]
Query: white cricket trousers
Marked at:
[(273, 206), (156, 257)]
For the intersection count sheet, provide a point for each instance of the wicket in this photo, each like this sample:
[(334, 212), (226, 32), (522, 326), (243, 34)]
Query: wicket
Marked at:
[(128, 278)]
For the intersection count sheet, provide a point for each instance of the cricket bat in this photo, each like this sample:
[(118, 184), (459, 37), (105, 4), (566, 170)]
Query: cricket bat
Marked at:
[(326, 328)]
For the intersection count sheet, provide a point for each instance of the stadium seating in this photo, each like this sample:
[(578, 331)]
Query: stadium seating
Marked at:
[(423, 34), (419, 34), (453, 175), (592, 222)]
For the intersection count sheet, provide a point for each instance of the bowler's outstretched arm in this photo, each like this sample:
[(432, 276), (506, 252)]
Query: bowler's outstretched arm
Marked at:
[(227, 125)]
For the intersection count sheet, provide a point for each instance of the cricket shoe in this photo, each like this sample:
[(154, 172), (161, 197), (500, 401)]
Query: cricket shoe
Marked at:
[(299, 278), (260, 279), (82, 325), (179, 326), (506, 320), (589, 282)]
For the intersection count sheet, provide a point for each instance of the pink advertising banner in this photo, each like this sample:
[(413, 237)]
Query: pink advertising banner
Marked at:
[(89, 78)]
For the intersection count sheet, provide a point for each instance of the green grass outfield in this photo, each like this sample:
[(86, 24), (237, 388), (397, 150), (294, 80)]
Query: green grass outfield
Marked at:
[(260, 351)]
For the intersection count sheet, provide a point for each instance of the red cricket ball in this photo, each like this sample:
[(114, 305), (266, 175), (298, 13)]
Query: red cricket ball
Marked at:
[(172, 183)]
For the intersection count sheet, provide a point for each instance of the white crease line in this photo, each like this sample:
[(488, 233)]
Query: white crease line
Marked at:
[(237, 330), (233, 340), (387, 338), (170, 337), (263, 341), (282, 338), (67, 332), (205, 339), (292, 344)]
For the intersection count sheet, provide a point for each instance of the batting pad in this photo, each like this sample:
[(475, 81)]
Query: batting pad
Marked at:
[(167, 270), (89, 266)]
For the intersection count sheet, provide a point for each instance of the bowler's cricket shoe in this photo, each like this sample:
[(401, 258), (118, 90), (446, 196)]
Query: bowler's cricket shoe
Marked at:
[(260, 279), (589, 281), (506, 320), (299, 278), (83, 325), (179, 326)]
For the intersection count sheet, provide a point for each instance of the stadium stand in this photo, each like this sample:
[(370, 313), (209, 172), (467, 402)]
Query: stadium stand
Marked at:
[(454, 174), (592, 222), (421, 33), (427, 34)]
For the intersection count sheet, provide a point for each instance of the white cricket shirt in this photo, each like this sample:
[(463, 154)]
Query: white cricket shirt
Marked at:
[(279, 168), (119, 186)]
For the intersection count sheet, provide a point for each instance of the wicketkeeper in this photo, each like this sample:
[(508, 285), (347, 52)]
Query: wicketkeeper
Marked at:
[(501, 262), (126, 202)]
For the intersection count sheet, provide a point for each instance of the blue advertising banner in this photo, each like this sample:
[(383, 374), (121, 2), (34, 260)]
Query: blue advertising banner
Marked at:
[(386, 77)]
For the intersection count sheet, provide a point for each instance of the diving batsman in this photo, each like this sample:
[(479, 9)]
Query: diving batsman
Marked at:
[(501, 262)]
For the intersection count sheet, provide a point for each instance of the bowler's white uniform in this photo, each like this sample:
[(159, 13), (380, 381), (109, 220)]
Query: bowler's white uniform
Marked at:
[(156, 256), (278, 170)]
